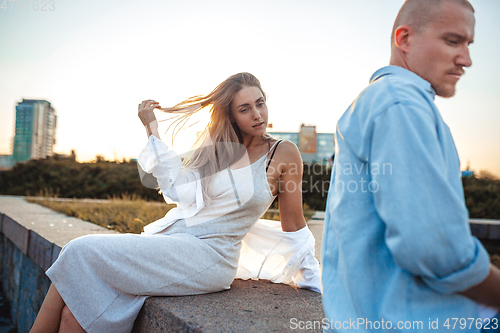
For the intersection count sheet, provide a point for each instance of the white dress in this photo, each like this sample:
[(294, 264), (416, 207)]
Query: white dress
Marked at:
[(194, 249)]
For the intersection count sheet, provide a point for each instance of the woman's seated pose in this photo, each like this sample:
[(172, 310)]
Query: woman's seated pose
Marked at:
[(100, 282)]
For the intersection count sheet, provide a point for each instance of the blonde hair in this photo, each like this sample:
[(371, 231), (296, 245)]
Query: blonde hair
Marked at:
[(220, 144)]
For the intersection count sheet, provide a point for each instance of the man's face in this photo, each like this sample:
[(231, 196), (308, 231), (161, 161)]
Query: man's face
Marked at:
[(440, 51)]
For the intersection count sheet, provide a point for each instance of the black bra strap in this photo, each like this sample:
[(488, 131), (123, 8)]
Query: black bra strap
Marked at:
[(274, 150)]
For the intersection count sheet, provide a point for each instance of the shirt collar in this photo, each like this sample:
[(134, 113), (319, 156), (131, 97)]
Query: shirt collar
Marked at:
[(400, 71)]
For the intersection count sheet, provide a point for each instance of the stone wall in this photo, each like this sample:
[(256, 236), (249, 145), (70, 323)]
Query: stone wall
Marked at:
[(31, 237), (24, 283)]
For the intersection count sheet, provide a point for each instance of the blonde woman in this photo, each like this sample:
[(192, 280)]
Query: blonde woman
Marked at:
[(100, 282)]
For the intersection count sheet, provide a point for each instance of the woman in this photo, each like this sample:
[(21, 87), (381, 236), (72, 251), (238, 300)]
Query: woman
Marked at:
[(100, 282)]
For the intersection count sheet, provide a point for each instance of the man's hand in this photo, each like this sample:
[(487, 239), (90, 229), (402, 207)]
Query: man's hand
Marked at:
[(488, 291)]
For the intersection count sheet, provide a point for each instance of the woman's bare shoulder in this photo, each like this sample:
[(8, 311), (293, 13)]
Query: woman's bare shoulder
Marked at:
[(288, 151), (288, 146)]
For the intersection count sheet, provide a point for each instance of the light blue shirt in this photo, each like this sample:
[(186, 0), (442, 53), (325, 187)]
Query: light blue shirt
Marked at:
[(397, 245)]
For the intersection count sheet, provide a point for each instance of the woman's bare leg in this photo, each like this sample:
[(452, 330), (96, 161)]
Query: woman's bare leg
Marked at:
[(69, 323), (49, 316)]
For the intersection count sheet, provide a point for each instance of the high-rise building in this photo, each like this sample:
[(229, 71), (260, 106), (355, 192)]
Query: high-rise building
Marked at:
[(35, 133)]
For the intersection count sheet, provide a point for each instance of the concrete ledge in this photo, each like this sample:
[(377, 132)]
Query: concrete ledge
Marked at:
[(31, 239), (16, 233), (40, 250), (55, 227), (249, 306)]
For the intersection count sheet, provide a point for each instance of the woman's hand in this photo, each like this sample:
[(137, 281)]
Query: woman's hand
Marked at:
[(146, 113), (148, 117)]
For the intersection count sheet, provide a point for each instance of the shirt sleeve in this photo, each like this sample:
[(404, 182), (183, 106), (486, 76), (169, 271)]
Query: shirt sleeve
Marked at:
[(427, 228), (272, 254), (178, 185)]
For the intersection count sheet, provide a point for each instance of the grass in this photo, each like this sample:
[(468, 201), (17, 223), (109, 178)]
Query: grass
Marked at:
[(495, 260), (128, 214)]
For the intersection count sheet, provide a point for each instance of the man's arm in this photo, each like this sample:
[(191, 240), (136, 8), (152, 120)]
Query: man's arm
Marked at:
[(488, 291), (422, 206)]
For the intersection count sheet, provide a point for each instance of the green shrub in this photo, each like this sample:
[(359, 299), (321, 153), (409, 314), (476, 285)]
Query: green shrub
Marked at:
[(482, 196)]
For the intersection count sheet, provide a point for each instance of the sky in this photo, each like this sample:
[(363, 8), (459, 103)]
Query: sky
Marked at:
[(95, 61)]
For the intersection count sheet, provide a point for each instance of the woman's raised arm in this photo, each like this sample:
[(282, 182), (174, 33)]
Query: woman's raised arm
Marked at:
[(177, 184), (148, 117)]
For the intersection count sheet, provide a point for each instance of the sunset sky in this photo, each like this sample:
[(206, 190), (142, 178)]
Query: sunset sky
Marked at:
[(95, 61)]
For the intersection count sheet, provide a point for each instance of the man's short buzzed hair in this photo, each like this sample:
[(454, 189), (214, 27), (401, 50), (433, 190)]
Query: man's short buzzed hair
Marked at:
[(418, 13)]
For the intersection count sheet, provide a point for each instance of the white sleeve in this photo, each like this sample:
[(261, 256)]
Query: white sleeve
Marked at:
[(282, 257), (178, 185)]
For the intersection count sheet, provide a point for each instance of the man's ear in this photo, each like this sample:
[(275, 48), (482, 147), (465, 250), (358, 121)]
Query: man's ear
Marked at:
[(402, 38)]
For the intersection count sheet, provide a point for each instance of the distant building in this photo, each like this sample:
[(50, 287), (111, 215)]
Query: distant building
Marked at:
[(35, 133), (314, 147), (467, 173), (6, 162)]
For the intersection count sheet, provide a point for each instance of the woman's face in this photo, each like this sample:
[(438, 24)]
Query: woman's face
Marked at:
[(249, 111)]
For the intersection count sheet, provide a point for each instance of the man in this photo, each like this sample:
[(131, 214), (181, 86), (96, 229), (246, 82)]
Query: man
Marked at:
[(397, 251)]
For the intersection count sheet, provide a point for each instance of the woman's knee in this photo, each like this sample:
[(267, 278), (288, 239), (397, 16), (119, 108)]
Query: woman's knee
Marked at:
[(77, 245), (69, 322)]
